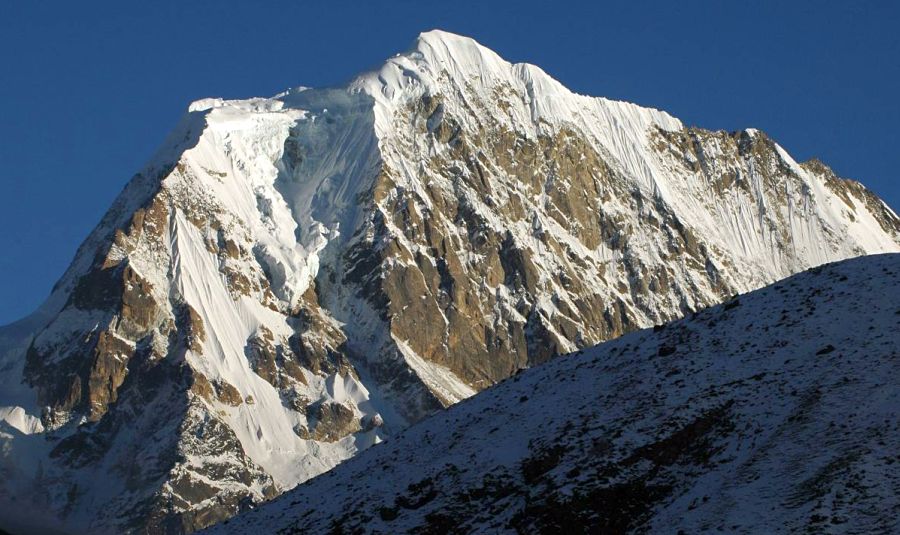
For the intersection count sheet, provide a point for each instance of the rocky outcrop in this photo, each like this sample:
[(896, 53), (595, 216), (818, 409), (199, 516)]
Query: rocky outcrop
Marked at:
[(330, 422)]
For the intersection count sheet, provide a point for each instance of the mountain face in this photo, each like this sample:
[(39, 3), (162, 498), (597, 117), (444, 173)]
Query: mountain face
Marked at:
[(291, 280), (776, 412)]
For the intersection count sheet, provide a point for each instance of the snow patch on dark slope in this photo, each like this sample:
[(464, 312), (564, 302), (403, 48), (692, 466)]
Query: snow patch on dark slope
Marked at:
[(774, 412)]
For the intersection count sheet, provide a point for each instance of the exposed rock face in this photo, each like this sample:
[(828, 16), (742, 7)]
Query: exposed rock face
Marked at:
[(331, 422), (296, 278)]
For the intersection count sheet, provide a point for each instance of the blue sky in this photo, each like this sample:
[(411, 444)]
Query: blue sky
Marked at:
[(89, 89)]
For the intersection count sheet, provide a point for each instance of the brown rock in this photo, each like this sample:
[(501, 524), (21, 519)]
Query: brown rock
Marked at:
[(227, 393)]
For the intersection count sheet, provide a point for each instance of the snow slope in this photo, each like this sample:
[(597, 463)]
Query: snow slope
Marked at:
[(293, 279), (776, 412)]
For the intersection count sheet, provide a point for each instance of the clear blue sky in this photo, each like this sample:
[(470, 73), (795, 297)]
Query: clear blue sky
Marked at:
[(89, 89)]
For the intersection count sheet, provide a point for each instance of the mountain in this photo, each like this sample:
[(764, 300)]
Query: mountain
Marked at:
[(776, 412), (293, 279)]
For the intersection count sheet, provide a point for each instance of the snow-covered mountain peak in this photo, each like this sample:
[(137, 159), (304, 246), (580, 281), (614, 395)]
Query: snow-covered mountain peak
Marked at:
[(459, 56), (442, 60), (293, 279)]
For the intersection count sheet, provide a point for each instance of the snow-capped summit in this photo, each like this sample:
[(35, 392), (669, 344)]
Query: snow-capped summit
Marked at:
[(440, 48), (293, 279)]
